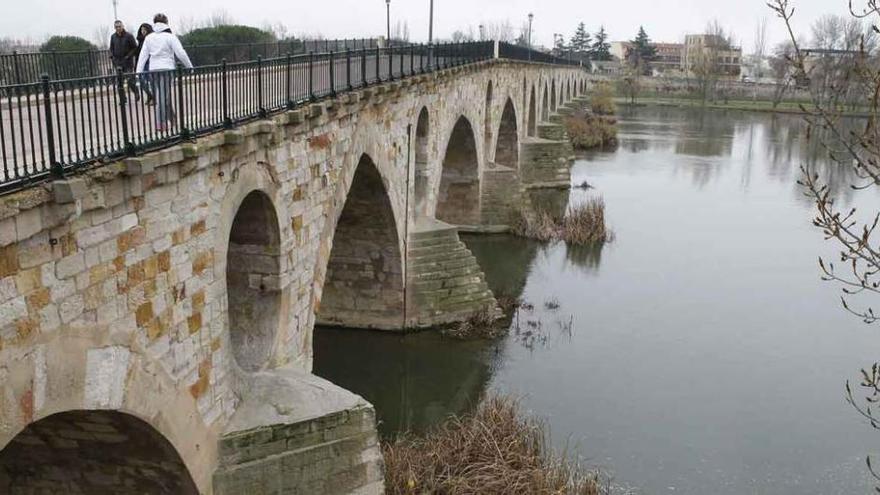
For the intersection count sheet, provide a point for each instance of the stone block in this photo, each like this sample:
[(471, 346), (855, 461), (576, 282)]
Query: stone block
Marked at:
[(139, 166), (69, 190)]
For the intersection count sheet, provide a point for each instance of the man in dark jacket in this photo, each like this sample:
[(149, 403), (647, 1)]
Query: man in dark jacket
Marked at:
[(123, 49)]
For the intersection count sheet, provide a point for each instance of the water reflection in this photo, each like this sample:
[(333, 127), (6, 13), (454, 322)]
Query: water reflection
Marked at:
[(414, 381), (779, 143)]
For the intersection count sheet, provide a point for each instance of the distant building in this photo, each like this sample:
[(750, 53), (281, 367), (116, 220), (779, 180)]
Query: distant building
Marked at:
[(697, 46), (682, 57)]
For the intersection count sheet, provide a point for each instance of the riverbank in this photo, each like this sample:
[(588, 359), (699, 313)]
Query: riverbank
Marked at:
[(763, 106), (496, 449)]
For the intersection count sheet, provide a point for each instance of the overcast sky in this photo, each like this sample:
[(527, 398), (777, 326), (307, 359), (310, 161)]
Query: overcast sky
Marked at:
[(665, 20)]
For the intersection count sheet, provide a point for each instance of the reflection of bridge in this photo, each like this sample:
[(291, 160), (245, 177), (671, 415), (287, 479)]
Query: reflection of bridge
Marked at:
[(156, 311)]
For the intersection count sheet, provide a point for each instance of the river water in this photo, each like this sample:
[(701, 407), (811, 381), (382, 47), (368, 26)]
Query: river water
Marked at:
[(697, 353)]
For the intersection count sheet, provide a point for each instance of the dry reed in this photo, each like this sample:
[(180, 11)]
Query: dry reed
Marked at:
[(581, 225), (495, 450)]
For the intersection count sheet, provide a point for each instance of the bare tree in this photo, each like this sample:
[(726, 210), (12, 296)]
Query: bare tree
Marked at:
[(837, 45), (854, 232), (759, 51), (499, 31), (400, 31), (462, 35), (707, 59)]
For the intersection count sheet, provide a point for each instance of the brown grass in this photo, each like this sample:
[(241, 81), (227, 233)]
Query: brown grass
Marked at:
[(481, 325), (602, 100), (588, 131), (495, 450), (582, 225)]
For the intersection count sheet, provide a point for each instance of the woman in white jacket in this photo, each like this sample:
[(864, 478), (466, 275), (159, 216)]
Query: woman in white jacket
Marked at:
[(162, 49)]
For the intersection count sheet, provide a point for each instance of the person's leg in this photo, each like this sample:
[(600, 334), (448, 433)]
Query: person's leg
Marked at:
[(146, 87), (161, 82), (131, 80)]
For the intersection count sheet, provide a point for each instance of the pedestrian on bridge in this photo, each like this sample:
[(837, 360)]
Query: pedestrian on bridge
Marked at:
[(145, 30), (123, 48), (161, 50)]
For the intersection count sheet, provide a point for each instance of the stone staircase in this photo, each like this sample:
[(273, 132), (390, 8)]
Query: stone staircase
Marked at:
[(445, 282)]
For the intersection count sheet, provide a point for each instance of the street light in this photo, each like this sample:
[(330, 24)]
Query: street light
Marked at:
[(531, 16), (431, 24), (388, 19), (115, 14), (482, 32)]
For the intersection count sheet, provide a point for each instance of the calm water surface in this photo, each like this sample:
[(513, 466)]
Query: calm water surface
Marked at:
[(698, 353)]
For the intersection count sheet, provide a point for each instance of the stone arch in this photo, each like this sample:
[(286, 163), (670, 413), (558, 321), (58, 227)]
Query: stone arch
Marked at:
[(525, 94), (83, 369), (458, 199), (364, 286), (92, 451), (487, 125), (507, 147), (532, 126), (253, 274), (553, 100), (422, 173), (545, 104)]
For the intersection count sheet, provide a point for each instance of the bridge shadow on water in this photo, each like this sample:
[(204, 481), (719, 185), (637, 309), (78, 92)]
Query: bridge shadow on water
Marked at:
[(416, 380)]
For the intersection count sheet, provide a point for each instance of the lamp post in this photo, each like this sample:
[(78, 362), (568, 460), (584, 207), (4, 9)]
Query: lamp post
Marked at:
[(115, 14), (388, 20), (531, 16), (482, 32), (431, 24)]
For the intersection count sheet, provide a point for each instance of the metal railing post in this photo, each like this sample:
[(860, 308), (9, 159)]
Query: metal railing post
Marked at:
[(54, 165), (289, 81), (181, 110), (55, 64), (224, 95), (262, 110), (378, 58), (332, 74), (15, 68), (348, 68), (311, 75), (364, 67), (390, 63), (120, 87), (402, 71)]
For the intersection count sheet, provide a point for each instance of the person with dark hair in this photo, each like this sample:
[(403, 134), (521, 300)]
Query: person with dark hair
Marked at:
[(123, 48), (161, 50), (145, 30)]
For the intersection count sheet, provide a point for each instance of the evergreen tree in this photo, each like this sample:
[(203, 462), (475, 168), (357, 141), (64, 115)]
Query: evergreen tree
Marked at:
[(580, 42), (645, 51), (601, 49), (642, 51)]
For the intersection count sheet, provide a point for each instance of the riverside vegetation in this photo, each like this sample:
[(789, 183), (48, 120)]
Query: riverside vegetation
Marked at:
[(495, 449), (597, 128)]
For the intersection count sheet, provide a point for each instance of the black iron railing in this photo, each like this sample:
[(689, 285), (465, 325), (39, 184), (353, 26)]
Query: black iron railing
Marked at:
[(23, 68), (55, 127)]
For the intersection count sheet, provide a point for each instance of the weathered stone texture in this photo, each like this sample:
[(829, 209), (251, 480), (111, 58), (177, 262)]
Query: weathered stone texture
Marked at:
[(150, 257)]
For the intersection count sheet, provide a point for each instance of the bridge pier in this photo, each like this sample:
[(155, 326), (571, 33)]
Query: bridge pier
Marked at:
[(446, 284), (296, 433)]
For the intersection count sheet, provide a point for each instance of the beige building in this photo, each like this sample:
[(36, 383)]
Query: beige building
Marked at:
[(683, 57), (699, 47)]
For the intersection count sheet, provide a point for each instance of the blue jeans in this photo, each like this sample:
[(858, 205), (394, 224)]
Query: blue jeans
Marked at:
[(162, 83)]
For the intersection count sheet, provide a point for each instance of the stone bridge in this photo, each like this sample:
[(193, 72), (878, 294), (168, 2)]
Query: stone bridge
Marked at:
[(156, 313)]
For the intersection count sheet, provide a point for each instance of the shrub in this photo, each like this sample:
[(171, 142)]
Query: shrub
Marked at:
[(583, 224), (602, 100), (67, 44), (227, 34), (496, 449), (591, 131)]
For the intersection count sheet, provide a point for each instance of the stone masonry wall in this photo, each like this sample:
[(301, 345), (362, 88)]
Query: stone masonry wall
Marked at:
[(113, 284)]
